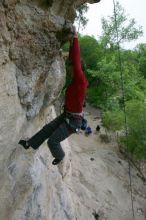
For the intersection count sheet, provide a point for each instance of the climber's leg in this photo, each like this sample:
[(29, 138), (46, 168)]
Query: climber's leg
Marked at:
[(36, 140), (61, 133)]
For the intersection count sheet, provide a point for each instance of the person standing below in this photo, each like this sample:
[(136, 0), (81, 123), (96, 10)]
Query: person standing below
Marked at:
[(70, 120)]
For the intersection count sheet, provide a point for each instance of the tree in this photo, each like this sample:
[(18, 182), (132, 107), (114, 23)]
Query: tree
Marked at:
[(90, 51), (136, 123), (141, 54), (127, 29), (107, 72), (134, 139), (81, 19)]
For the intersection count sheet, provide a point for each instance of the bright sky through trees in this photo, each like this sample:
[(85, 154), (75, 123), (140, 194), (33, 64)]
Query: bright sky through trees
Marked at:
[(133, 8)]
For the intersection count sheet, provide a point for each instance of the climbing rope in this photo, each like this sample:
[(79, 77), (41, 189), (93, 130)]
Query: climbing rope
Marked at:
[(124, 108)]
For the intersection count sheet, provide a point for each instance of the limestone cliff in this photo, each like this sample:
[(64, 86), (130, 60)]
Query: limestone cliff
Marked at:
[(32, 74)]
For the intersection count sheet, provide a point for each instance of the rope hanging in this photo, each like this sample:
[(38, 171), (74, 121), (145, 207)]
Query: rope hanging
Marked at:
[(124, 108)]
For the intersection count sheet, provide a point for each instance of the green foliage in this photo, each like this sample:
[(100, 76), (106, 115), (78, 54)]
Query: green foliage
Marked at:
[(127, 30), (93, 97), (106, 79), (81, 18), (132, 80), (136, 123), (141, 55), (104, 75), (113, 120), (142, 86), (89, 51)]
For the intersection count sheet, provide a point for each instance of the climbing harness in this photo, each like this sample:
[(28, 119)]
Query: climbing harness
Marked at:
[(124, 108)]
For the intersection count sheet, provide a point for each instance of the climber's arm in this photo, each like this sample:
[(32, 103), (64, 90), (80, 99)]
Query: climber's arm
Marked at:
[(75, 52)]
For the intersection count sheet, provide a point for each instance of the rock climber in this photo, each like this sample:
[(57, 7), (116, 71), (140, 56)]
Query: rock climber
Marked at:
[(70, 120), (88, 131), (97, 128)]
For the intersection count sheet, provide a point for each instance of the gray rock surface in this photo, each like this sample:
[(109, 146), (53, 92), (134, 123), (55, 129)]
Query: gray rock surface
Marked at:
[(32, 74), (32, 33)]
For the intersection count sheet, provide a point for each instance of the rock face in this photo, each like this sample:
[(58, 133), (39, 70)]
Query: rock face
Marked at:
[(29, 39), (32, 33), (32, 74)]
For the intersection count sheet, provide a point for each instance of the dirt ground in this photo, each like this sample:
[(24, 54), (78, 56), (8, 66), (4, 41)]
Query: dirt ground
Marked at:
[(101, 181)]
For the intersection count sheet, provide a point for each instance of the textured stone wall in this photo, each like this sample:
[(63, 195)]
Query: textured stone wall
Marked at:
[(32, 74), (29, 41), (31, 36)]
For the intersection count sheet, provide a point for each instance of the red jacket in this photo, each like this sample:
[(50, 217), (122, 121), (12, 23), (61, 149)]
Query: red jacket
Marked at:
[(75, 93)]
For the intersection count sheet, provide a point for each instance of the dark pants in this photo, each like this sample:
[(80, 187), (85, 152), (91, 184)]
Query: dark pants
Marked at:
[(55, 131)]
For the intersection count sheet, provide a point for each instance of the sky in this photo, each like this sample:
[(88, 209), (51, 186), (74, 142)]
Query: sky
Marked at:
[(133, 8)]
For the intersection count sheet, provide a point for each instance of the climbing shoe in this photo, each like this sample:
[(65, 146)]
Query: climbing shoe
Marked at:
[(24, 144), (56, 161)]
